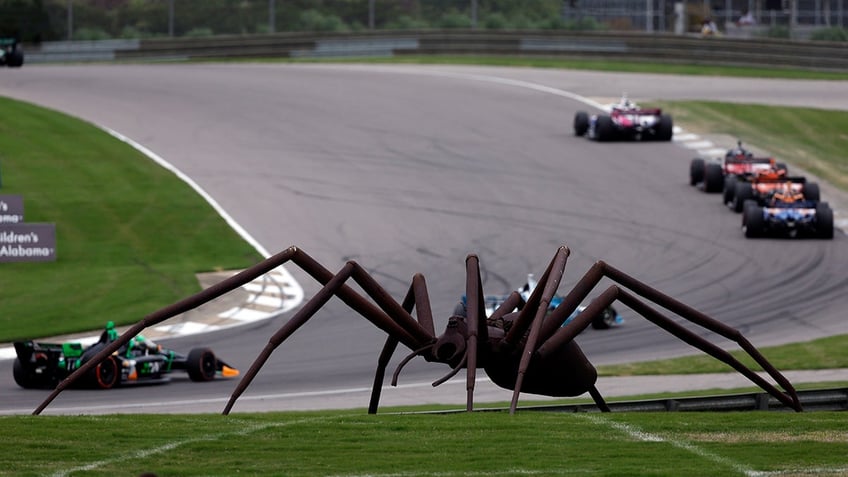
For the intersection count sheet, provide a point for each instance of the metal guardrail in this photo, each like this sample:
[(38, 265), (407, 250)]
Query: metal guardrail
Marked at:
[(811, 400), (828, 56)]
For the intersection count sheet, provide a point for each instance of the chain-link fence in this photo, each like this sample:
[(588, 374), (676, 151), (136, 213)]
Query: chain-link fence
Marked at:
[(52, 20)]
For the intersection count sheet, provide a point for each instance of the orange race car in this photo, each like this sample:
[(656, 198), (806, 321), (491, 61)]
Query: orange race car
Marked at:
[(764, 184)]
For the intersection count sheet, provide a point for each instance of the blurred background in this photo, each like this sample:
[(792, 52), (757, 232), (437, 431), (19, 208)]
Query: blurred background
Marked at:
[(36, 21)]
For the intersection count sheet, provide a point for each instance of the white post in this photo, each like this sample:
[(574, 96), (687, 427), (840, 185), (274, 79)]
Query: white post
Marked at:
[(679, 18), (370, 14), (272, 16)]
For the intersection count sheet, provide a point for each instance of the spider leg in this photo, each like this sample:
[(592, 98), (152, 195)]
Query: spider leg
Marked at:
[(416, 296), (170, 311), (529, 310), (551, 281), (385, 320), (561, 335), (476, 325)]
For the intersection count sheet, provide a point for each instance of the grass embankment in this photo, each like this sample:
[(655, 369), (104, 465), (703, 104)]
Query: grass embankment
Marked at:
[(582, 64), (130, 235), (356, 444)]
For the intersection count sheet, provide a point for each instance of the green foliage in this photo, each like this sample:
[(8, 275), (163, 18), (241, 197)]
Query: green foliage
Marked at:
[(199, 32), (777, 31), (314, 20), (585, 24), (495, 21), (830, 34), (454, 19), (406, 22), (90, 34)]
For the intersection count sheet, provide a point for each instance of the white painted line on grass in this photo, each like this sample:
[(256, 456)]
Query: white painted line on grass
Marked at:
[(145, 453), (641, 435)]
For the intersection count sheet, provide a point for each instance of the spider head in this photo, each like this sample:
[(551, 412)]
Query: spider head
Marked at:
[(450, 346)]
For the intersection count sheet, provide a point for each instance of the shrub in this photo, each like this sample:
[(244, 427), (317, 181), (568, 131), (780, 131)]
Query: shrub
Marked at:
[(406, 22), (313, 20), (777, 31), (198, 32), (830, 34), (91, 34), (455, 20)]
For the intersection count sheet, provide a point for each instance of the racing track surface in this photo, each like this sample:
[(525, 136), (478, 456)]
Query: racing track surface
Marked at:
[(410, 168)]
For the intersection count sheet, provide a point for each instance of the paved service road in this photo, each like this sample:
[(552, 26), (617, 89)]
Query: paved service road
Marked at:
[(410, 168)]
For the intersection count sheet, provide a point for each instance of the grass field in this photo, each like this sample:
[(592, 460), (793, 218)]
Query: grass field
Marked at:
[(130, 235), (438, 445)]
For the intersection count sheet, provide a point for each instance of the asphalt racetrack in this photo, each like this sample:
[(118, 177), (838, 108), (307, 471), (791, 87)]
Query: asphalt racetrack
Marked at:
[(408, 169)]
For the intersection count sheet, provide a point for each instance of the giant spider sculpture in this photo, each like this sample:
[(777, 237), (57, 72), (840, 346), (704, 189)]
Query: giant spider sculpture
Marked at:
[(527, 350)]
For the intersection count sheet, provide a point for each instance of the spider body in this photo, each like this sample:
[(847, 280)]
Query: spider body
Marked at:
[(524, 351)]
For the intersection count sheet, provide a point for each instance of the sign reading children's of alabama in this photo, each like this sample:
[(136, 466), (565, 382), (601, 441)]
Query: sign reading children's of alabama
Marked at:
[(11, 209), (27, 242)]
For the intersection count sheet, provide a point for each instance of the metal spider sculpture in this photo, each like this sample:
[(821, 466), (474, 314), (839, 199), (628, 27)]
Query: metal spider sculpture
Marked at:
[(525, 351)]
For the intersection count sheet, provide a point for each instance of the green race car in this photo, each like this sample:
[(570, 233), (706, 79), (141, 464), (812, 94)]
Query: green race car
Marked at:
[(40, 365)]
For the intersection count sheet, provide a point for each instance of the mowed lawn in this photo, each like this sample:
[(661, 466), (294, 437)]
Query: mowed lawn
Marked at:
[(131, 236), (353, 443)]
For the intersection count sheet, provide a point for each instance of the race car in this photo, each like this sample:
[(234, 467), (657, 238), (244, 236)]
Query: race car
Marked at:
[(41, 365), (626, 120), (609, 318), (760, 187), (788, 213), (10, 53), (719, 175)]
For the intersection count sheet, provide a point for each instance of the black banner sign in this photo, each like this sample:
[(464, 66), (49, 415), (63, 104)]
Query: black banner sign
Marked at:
[(27, 242), (11, 209)]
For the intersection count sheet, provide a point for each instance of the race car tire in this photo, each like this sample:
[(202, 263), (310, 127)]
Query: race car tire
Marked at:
[(811, 192), (604, 128), (581, 123), (15, 59), (824, 220), (753, 223), (665, 128), (105, 375), (743, 192), (696, 171), (201, 364), (26, 379), (605, 320), (729, 190), (713, 178)]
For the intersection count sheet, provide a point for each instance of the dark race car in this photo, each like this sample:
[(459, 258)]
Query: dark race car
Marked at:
[(10, 53), (609, 318), (787, 213), (626, 120), (40, 365), (720, 175)]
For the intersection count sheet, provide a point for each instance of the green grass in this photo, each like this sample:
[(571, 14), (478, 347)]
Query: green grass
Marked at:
[(534, 443), (130, 235), (812, 139), (582, 64)]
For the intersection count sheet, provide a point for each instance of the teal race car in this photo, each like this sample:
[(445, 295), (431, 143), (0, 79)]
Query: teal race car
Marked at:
[(609, 318), (11, 54)]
